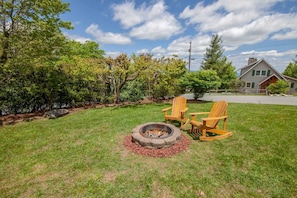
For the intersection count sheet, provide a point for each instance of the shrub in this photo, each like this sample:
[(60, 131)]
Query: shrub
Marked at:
[(279, 87)]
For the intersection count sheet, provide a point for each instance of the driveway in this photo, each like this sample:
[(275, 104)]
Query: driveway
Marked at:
[(279, 100)]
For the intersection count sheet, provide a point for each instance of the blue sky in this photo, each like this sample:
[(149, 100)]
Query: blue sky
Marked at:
[(253, 28)]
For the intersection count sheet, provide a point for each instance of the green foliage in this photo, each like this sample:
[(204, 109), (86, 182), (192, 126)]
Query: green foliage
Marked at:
[(213, 53), (236, 84), (214, 59), (133, 91), (291, 69), (163, 76), (279, 87), (200, 82), (31, 41), (89, 49), (120, 70), (30, 30), (83, 84)]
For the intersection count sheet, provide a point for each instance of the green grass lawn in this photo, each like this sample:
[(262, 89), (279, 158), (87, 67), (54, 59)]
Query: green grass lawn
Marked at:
[(82, 155)]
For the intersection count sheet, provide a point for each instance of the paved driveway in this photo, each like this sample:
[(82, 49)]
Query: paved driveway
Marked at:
[(280, 100)]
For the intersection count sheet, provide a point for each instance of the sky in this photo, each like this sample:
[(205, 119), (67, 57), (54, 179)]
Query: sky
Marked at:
[(252, 28)]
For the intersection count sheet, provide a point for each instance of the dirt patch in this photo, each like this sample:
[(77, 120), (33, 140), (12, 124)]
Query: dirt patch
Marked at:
[(182, 145), (110, 177)]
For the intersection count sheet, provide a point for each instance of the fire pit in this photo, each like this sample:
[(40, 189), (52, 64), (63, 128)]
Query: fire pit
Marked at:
[(156, 135)]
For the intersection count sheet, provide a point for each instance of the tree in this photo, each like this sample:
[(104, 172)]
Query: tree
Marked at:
[(82, 63), (30, 38), (30, 33), (237, 84), (214, 59), (291, 69), (166, 77), (213, 53), (121, 70), (200, 82)]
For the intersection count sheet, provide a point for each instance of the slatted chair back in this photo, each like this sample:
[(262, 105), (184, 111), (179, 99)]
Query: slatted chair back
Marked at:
[(218, 109), (178, 104)]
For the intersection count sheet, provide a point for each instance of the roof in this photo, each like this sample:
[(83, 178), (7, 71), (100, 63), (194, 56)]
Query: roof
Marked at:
[(254, 64), (250, 65), (290, 78), (268, 78)]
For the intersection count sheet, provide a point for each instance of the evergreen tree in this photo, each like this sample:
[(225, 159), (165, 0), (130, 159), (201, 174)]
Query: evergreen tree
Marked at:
[(291, 69), (215, 60), (213, 53)]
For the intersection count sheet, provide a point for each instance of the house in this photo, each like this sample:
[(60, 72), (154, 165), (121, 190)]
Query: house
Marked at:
[(258, 74)]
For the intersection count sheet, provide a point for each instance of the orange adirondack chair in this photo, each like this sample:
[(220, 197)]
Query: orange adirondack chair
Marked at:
[(178, 110), (210, 124)]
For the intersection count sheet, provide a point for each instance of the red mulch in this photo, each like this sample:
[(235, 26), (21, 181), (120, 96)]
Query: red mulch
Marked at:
[(182, 145)]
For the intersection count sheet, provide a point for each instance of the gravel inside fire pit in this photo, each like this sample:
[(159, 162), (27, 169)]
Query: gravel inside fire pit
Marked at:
[(182, 145)]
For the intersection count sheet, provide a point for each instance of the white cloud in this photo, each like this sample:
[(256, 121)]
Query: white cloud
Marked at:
[(225, 14), (128, 15), (113, 54), (289, 34), (156, 29), (270, 53), (247, 22), (158, 52), (142, 51), (107, 37), (181, 45), (261, 29), (77, 38), (158, 49), (151, 22)]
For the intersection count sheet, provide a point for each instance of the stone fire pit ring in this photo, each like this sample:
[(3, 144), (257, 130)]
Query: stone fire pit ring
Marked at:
[(140, 137)]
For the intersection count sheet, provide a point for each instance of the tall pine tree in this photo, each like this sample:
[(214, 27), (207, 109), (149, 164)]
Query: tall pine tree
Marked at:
[(291, 69), (215, 60)]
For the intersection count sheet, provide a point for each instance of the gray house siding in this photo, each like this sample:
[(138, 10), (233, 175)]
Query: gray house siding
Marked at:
[(292, 84)]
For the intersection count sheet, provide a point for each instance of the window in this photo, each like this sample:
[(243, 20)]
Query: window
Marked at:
[(292, 85), (248, 84), (263, 73), (268, 73), (258, 73)]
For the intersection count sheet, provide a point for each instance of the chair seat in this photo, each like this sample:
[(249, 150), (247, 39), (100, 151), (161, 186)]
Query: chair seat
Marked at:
[(198, 124), (168, 117)]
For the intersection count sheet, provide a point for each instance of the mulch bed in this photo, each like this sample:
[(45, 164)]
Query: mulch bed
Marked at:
[(182, 145)]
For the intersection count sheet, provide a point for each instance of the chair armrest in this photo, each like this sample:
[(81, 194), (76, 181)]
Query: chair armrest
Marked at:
[(166, 109), (198, 113), (215, 118)]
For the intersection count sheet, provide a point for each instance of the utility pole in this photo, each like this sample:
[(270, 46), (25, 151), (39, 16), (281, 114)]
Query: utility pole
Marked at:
[(190, 49)]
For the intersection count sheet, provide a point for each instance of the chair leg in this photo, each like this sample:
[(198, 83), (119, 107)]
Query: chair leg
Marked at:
[(204, 132), (192, 130)]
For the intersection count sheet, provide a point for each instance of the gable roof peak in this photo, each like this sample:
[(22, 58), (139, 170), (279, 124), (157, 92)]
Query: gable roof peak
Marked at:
[(254, 65)]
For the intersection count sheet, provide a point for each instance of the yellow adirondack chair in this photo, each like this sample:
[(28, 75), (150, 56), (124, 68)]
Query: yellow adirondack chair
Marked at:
[(178, 110), (210, 124)]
